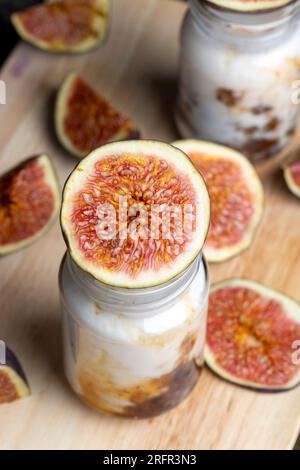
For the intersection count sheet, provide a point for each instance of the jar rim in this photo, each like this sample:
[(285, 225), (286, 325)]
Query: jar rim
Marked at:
[(262, 11), (131, 301), (245, 31), (245, 18)]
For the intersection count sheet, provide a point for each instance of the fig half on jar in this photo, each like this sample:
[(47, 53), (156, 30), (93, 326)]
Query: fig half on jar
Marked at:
[(144, 181)]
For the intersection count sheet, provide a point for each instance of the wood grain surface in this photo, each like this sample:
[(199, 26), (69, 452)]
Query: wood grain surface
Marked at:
[(137, 70)]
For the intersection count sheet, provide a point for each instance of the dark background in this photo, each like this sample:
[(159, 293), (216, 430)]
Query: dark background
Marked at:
[(8, 35)]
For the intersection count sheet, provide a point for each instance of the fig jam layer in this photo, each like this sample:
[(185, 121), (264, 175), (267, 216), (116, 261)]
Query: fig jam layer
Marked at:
[(251, 336), (150, 397), (70, 21), (8, 390), (231, 200), (91, 121), (138, 182), (176, 387), (26, 203)]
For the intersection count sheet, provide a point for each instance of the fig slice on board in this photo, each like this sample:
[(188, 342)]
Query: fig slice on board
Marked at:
[(123, 208), (13, 382), (252, 336), (84, 120), (29, 202), (64, 25), (291, 172), (236, 195)]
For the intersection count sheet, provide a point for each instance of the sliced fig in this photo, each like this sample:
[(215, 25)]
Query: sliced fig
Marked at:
[(13, 382), (29, 202), (236, 195), (251, 5), (251, 333), (291, 173), (84, 120), (118, 213), (64, 25)]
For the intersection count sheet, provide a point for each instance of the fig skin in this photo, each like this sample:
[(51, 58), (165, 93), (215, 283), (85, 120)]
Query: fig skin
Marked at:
[(14, 372), (292, 311), (52, 181), (100, 25)]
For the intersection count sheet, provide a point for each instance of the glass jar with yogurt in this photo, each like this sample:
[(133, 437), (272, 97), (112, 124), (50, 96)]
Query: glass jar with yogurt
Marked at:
[(133, 352), (237, 70)]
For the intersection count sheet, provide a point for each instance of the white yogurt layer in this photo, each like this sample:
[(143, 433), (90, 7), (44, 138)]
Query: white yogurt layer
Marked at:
[(122, 351)]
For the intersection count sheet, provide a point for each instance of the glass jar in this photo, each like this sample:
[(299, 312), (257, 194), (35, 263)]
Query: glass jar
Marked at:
[(236, 76), (133, 352)]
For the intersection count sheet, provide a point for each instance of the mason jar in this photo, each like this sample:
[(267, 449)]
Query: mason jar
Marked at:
[(237, 71), (133, 352)]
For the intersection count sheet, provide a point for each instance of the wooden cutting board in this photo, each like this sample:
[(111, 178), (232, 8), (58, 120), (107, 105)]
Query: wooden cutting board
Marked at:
[(137, 70)]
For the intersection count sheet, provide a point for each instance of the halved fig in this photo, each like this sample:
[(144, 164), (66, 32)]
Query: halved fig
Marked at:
[(252, 332), (64, 25), (291, 173), (251, 5), (236, 196), (29, 202), (135, 213), (13, 382), (84, 120)]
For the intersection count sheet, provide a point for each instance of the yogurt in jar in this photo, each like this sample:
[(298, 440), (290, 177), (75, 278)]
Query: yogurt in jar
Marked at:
[(236, 75), (133, 353)]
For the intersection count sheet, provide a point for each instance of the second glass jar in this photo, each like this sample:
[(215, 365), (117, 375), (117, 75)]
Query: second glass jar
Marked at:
[(236, 77)]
